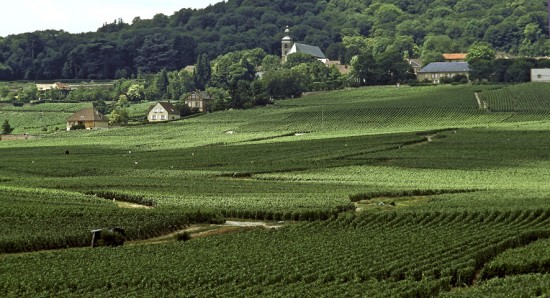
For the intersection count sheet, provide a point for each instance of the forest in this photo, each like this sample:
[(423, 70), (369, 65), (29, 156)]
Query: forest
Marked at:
[(341, 28)]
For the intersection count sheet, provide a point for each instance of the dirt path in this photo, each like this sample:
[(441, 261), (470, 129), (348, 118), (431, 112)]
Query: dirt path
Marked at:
[(199, 231), (482, 104), (122, 204)]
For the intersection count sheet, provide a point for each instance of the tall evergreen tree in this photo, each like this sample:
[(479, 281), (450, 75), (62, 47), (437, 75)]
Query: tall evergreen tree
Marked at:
[(6, 128), (162, 83), (203, 72)]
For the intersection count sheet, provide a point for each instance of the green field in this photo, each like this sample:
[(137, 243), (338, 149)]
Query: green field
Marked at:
[(379, 191)]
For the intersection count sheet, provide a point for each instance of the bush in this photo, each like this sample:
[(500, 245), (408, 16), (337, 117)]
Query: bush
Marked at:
[(110, 237), (184, 236)]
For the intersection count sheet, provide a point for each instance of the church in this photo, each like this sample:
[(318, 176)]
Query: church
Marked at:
[(290, 47)]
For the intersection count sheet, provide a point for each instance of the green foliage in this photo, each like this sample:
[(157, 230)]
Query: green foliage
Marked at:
[(184, 236), (203, 72), (422, 255), (162, 82), (467, 187), (123, 50), (6, 128), (283, 83), (533, 258), (522, 97), (29, 93), (533, 285), (118, 116), (62, 219), (90, 94), (480, 51), (109, 237)]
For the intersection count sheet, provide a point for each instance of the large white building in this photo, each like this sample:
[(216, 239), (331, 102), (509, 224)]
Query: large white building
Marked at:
[(540, 75)]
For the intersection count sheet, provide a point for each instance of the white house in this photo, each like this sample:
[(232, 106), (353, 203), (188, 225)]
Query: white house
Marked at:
[(540, 75), (163, 111)]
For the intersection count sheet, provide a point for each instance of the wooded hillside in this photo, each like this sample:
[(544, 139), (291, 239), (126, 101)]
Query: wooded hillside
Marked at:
[(417, 27)]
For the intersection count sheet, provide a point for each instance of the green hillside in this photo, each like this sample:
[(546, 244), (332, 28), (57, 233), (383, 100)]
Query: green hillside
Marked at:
[(419, 28), (379, 191)]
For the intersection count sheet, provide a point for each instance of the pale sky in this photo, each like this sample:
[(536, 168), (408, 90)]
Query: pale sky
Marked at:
[(76, 16)]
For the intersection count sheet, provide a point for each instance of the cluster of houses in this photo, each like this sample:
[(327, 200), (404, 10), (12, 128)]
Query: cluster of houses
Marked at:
[(90, 118), (455, 64)]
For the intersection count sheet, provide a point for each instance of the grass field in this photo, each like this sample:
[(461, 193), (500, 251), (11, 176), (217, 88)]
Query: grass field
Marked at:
[(381, 191)]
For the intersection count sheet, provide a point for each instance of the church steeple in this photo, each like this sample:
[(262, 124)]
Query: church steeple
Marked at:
[(286, 44)]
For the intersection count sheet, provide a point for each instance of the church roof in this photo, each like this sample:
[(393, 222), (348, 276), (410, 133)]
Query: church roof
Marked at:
[(307, 49)]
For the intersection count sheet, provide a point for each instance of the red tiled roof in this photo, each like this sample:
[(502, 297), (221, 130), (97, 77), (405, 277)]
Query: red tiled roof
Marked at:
[(455, 56)]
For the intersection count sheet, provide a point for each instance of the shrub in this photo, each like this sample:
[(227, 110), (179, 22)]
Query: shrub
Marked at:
[(184, 236)]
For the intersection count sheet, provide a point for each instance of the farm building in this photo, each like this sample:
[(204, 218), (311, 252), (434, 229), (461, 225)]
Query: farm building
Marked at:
[(198, 100), (437, 70), (64, 88), (540, 75), (90, 118), (163, 111)]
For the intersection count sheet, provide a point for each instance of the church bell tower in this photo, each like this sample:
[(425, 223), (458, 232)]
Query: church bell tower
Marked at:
[(286, 44)]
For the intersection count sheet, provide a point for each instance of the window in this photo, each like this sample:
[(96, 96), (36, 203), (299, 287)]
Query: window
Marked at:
[(154, 117), (539, 76), (162, 117)]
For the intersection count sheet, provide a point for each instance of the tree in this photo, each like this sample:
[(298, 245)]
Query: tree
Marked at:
[(203, 72), (6, 73), (480, 51), (6, 128), (295, 59), (363, 69), (283, 83), (162, 83), (391, 67), (29, 93), (481, 69), (136, 92), (180, 83), (119, 116), (155, 54)]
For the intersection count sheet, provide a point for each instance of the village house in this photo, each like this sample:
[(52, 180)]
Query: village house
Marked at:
[(541, 75), (198, 100), (90, 118), (436, 70), (163, 111), (64, 88)]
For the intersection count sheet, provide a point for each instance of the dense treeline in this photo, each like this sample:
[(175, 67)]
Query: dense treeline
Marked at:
[(340, 27)]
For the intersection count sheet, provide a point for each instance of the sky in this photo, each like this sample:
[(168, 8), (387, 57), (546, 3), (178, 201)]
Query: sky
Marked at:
[(76, 16)]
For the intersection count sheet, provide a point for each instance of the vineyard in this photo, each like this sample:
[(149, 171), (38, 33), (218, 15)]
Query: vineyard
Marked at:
[(425, 253), (378, 192), (33, 119), (519, 98)]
